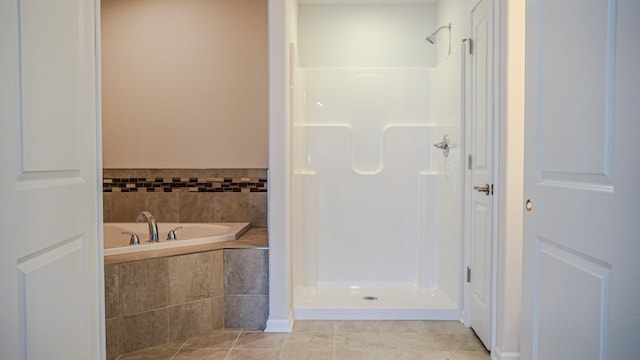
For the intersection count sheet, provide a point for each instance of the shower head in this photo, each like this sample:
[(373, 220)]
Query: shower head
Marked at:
[(432, 38)]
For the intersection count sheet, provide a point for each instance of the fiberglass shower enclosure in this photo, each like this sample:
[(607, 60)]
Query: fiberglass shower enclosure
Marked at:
[(377, 208)]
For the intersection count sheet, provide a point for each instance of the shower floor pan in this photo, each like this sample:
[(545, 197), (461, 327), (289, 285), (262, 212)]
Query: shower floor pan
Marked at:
[(373, 303)]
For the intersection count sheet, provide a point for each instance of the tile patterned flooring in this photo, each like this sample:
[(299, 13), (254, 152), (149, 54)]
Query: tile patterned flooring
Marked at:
[(329, 340)]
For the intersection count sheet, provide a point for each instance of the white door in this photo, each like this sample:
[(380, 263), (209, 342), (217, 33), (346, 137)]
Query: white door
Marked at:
[(582, 173), (480, 171), (50, 272)]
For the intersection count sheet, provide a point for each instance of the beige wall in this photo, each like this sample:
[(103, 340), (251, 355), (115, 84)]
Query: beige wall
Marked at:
[(184, 83)]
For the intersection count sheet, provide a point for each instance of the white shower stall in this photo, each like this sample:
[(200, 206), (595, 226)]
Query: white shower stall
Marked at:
[(377, 209)]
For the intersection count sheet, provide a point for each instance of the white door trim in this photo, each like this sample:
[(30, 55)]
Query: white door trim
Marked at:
[(498, 125), (99, 170), (510, 220)]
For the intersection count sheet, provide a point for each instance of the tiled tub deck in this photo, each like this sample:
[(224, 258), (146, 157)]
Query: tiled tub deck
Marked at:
[(161, 296)]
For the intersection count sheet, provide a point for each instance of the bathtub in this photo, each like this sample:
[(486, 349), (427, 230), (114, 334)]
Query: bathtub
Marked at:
[(191, 234)]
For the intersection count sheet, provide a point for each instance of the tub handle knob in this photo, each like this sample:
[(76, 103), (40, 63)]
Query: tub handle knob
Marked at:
[(135, 240), (172, 233)]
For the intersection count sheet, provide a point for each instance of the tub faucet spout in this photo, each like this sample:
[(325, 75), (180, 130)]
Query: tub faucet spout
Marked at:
[(153, 226)]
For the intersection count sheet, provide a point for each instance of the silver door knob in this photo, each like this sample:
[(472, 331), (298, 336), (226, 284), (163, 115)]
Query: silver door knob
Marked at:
[(485, 189)]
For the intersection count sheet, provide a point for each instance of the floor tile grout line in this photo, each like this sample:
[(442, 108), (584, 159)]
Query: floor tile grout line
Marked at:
[(284, 343), (333, 333), (235, 342), (384, 343), (180, 348)]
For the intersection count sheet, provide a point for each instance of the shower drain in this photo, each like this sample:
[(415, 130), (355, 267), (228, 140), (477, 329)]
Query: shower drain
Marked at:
[(369, 298)]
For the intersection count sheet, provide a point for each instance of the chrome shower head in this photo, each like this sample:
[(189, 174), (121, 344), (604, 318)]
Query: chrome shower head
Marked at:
[(432, 38)]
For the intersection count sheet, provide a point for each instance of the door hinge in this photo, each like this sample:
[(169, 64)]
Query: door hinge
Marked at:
[(469, 162), (468, 274), (470, 45)]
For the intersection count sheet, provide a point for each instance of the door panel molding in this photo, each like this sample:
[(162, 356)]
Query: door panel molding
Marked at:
[(43, 307), (52, 84), (582, 291), (46, 179), (588, 162)]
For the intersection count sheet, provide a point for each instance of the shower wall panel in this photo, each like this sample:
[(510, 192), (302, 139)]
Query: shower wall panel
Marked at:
[(372, 35), (368, 178)]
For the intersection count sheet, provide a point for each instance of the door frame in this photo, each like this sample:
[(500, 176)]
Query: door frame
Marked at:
[(497, 168)]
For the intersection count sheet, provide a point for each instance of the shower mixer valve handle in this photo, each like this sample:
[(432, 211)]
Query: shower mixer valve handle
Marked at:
[(443, 145)]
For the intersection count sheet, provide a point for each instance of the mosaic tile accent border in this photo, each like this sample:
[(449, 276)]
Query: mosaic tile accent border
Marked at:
[(190, 184)]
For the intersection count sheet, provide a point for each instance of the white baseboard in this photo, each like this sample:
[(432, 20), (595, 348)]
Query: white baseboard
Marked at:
[(280, 325), (498, 354)]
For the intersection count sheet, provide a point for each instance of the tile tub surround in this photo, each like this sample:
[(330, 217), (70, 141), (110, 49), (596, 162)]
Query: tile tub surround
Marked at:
[(329, 340), (163, 299), (186, 195), (246, 288)]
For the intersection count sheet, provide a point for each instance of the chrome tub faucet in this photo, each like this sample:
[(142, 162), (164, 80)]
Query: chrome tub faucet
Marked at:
[(153, 226)]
